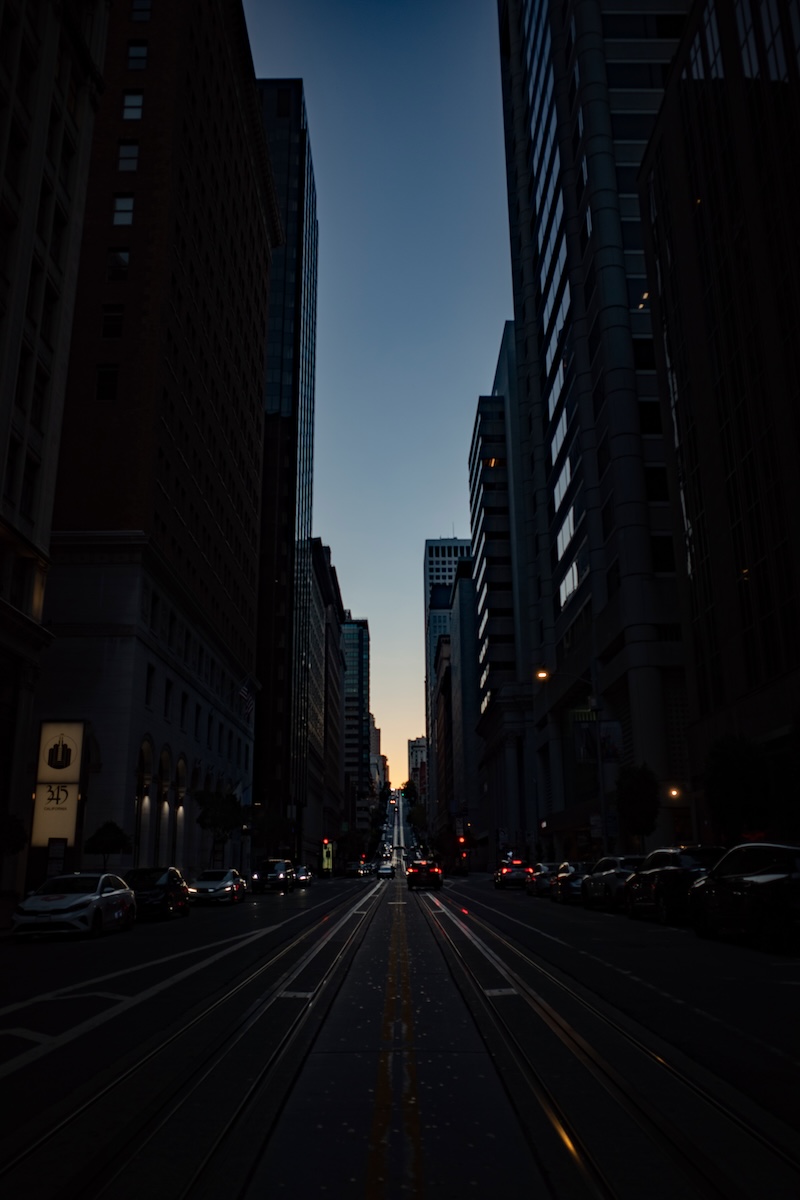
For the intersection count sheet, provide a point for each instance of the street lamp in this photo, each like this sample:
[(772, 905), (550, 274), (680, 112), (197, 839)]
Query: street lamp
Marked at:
[(595, 704)]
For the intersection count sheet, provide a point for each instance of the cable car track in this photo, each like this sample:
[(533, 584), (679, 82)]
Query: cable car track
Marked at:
[(713, 1139), (180, 1065)]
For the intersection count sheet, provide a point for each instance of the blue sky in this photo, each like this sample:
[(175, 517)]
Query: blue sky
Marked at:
[(405, 122)]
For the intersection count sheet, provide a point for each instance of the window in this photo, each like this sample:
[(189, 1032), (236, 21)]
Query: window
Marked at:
[(123, 210), (132, 105), (137, 56), (128, 157), (117, 263), (141, 9), (112, 320)]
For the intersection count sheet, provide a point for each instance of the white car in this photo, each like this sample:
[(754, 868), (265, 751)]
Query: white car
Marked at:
[(84, 902), (219, 885)]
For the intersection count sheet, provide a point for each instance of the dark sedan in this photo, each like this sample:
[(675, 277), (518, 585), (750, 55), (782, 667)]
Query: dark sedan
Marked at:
[(423, 873), (512, 872), (567, 884), (753, 892), (159, 891), (604, 886), (660, 886)]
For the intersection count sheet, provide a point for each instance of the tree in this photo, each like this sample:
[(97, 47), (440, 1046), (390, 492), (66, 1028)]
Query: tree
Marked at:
[(637, 799), (220, 813), (108, 839)]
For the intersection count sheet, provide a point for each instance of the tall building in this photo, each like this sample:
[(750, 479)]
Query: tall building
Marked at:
[(285, 563), (152, 597), (358, 780), (418, 768), (442, 556), (506, 767), (581, 87), (720, 208), (51, 59), (325, 803)]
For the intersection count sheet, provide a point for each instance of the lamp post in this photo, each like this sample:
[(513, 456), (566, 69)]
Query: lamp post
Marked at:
[(595, 705)]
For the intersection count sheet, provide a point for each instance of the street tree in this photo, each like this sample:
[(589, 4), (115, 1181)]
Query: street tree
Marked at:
[(109, 838)]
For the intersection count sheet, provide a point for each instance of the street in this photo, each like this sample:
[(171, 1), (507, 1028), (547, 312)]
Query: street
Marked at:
[(427, 1042)]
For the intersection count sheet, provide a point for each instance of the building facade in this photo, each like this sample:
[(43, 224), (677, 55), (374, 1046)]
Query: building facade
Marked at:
[(719, 207), (358, 780), (581, 87), (51, 62), (325, 799), (281, 779), (442, 556), (506, 765), (152, 599)]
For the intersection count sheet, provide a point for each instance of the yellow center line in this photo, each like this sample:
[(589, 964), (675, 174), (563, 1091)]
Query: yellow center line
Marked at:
[(397, 1023)]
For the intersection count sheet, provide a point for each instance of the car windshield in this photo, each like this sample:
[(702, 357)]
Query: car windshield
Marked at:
[(211, 876), (705, 856), (144, 877), (72, 884)]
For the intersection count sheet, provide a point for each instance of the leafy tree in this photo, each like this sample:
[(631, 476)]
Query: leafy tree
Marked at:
[(106, 840), (637, 799), (735, 787), (220, 813), (409, 790)]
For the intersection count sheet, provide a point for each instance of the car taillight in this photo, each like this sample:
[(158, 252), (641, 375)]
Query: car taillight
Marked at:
[(505, 870)]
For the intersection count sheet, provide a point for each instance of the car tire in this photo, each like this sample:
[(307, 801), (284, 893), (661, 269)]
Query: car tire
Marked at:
[(631, 910), (97, 924), (130, 920), (186, 908)]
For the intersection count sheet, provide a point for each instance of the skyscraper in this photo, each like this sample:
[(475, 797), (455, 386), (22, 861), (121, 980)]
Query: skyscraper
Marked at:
[(720, 215), (358, 780), (581, 87), (497, 510), (285, 563), (152, 593), (442, 556), (51, 59)]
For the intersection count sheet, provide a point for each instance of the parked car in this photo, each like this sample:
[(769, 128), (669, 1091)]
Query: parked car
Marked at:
[(660, 885), (566, 887), (89, 902), (159, 891), (538, 882), (752, 891), (273, 875), (604, 886), (303, 876), (512, 872), (422, 873), (218, 886)]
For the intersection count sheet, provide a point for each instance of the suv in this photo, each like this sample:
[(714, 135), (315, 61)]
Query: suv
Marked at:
[(660, 886), (753, 891), (274, 875)]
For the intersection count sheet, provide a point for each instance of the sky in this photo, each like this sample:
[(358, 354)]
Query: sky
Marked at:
[(405, 124)]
